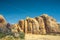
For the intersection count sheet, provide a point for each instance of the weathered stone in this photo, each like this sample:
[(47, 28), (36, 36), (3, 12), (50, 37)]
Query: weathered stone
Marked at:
[(50, 23), (2, 24), (2, 20), (16, 28), (29, 27), (35, 25), (41, 25), (26, 26), (21, 24), (3, 28)]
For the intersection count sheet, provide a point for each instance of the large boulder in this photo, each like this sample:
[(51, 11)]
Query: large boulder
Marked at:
[(50, 23), (3, 28), (2, 20), (59, 27), (3, 24), (33, 25), (21, 24), (15, 28), (41, 25), (26, 26)]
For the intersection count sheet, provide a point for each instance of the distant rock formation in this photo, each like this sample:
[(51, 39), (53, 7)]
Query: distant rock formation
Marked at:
[(2, 20), (2, 24), (33, 25), (39, 25), (50, 23)]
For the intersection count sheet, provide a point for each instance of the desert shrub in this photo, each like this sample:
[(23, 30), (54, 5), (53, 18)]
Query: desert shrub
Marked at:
[(22, 35), (9, 37), (2, 35)]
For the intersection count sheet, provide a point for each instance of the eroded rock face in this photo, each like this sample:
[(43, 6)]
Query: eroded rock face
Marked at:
[(21, 24), (3, 24), (38, 25), (26, 26), (50, 23), (15, 28), (59, 26), (3, 28), (41, 25), (33, 25), (2, 20)]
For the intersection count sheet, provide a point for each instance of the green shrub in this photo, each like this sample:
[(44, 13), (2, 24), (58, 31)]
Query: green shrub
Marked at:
[(2, 35), (9, 37), (22, 35)]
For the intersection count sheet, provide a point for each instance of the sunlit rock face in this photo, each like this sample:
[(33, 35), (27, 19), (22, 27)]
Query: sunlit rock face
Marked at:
[(26, 26), (41, 25), (59, 26), (2, 20), (22, 24), (15, 28), (3, 24), (33, 25), (38, 25), (50, 23), (3, 28)]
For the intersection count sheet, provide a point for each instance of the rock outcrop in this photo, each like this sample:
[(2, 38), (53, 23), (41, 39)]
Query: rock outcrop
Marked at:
[(2, 24), (33, 25), (2, 20), (39, 25), (21, 24), (50, 23)]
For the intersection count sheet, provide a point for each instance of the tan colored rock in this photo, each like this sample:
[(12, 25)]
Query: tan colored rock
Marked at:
[(59, 27), (50, 23), (21, 24), (3, 28), (35, 25), (2, 24), (15, 28), (29, 27), (26, 25), (2, 20), (41, 25)]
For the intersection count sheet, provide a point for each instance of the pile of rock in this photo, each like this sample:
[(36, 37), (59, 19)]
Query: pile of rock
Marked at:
[(3, 24), (39, 25), (50, 24)]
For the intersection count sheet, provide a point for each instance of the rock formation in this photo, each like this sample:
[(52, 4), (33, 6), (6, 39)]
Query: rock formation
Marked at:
[(38, 25), (26, 26), (50, 23), (33, 25), (41, 25), (15, 28), (21, 24), (2, 20), (2, 24)]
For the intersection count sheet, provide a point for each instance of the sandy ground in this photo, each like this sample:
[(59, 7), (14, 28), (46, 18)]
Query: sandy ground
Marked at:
[(41, 37), (34, 37)]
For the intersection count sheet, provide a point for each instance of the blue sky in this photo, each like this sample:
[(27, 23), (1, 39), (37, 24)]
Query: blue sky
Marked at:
[(15, 10)]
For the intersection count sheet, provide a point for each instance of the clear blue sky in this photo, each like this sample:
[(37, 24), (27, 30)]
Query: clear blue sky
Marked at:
[(14, 10)]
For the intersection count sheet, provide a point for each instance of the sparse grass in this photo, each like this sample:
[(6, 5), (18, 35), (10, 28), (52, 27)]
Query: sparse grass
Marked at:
[(30, 37), (2, 35), (11, 37), (41, 37), (22, 35)]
